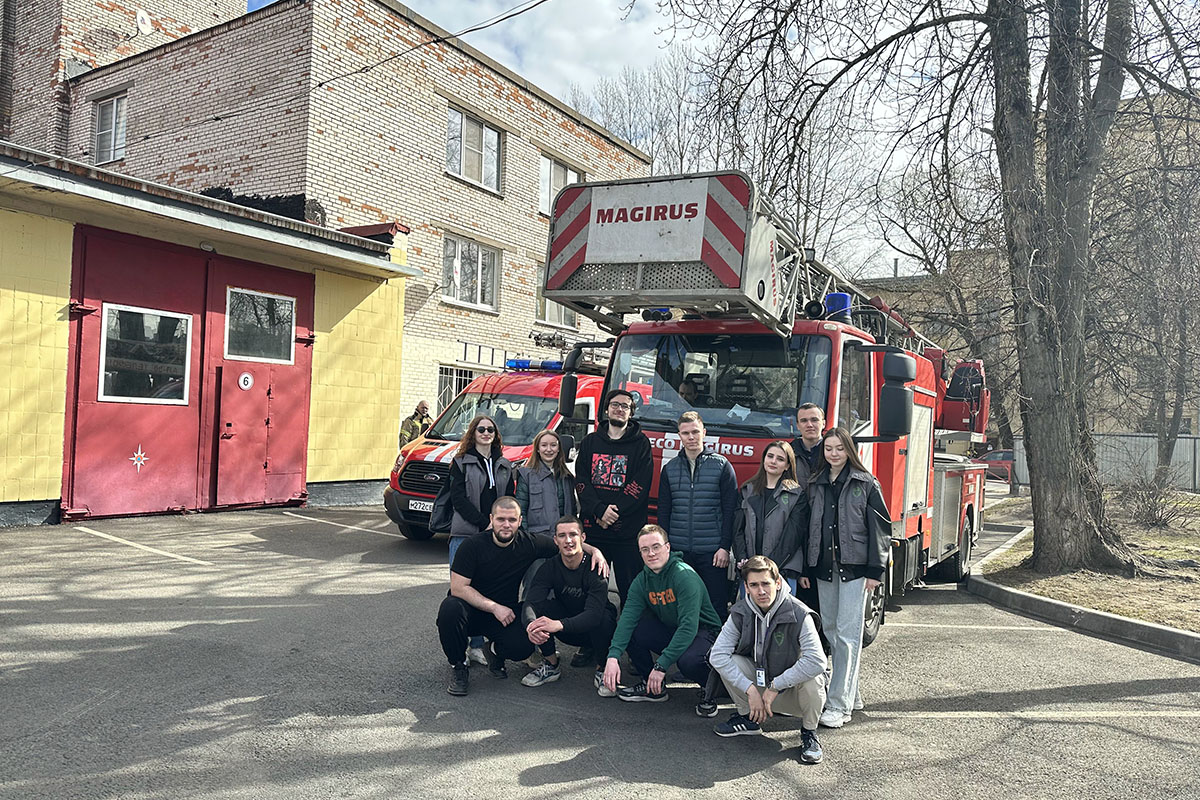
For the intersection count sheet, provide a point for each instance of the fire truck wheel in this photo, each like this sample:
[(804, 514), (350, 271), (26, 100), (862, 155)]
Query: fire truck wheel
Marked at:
[(874, 615), (957, 566)]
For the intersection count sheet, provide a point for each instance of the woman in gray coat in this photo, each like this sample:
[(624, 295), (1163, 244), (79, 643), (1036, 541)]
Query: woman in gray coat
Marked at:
[(772, 518), (545, 486)]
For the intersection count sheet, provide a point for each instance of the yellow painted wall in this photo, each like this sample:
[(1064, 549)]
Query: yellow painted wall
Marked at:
[(355, 415), (35, 282)]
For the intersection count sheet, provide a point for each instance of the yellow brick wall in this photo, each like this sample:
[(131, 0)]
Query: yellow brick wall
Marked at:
[(355, 416), (35, 282)]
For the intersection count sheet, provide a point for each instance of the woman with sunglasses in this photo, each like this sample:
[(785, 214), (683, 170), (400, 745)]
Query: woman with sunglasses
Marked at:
[(479, 473), (846, 555)]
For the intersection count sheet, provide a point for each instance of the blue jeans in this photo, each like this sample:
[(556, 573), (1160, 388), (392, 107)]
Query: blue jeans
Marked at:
[(843, 604), (455, 543), (652, 636)]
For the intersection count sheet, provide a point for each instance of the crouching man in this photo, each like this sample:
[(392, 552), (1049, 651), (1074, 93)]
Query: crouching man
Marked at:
[(567, 600), (485, 581), (770, 658), (668, 612)]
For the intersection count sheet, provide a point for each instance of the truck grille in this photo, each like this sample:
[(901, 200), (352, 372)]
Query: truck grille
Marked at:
[(424, 477)]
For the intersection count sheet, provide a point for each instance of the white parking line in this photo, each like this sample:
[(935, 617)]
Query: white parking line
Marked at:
[(344, 525), (1047, 628), (148, 549), (1049, 715)]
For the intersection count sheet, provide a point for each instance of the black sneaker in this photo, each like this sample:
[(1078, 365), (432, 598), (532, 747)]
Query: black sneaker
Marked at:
[(737, 725), (586, 657), (495, 663), (810, 748), (460, 679), (706, 708), (641, 694)]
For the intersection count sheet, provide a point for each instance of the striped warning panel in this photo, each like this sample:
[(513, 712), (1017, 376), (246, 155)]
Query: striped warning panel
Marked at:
[(726, 221), (568, 237)]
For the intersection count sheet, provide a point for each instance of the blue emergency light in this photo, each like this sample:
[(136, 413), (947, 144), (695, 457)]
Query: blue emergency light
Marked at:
[(528, 363)]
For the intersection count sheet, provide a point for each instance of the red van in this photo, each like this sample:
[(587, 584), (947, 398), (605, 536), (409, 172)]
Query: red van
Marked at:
[(523, 400)]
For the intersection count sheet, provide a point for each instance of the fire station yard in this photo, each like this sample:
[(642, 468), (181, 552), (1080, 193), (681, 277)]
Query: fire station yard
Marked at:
[(293, 654)]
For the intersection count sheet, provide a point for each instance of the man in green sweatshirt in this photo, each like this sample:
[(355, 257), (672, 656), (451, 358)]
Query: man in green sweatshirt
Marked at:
[(680, 627)]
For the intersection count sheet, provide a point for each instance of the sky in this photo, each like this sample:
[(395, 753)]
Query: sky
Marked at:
[(561, 41), (557, 43)]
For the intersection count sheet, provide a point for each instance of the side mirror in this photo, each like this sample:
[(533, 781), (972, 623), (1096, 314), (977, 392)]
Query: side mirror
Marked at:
[(566, 443), (896, 399), (566, 395)]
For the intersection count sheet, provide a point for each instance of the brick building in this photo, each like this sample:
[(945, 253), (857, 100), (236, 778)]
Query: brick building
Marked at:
[(359, 113)]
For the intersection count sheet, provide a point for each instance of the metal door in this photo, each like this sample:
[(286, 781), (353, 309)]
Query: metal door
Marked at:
[(259, 358), (242, 437), (133, 428)]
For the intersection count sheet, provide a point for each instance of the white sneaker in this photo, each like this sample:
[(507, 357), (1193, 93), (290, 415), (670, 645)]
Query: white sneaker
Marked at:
[(858, 703), (475, 656), (601, 689), (833, 719)]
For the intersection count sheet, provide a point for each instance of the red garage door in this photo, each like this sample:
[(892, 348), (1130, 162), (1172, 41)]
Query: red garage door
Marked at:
[(190, 389)]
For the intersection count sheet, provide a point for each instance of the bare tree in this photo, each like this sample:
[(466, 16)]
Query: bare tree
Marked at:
[(1148, 256), (1046, 80)]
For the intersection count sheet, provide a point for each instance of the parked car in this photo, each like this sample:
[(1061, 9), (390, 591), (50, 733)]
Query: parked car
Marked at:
[(522, 400), (999, 464)]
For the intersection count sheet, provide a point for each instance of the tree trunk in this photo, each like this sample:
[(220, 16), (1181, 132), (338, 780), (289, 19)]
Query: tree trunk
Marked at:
[(1048, 252)]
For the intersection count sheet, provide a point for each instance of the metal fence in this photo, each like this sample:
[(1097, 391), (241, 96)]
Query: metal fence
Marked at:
[(1120, 455)]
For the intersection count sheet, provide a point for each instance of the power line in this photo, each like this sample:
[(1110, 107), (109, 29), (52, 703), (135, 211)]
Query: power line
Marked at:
[(221, 116)]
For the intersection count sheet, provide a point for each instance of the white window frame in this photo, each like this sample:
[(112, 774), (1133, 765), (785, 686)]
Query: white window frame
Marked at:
[(543, 306), (291, 359), (458, 377), (463, 120), (187, 358), (116, 133), (546, 190), (447, 288)]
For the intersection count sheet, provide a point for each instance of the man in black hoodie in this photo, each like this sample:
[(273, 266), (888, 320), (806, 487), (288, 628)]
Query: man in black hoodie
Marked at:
[(613, 473)]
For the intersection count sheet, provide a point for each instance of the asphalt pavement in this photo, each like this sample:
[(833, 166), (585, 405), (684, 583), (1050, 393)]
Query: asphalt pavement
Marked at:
[(293, 654)]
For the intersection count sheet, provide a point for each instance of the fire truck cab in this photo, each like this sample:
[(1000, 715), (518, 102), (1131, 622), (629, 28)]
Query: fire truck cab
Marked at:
[(731, 303)]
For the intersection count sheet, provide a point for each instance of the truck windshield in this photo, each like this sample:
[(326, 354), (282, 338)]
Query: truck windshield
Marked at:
[(744, 384), (519, 417)]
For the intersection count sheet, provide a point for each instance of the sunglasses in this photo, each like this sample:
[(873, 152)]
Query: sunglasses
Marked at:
[(485, 429)]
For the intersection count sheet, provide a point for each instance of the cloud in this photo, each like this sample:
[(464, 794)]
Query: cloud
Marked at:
[(560, 42)]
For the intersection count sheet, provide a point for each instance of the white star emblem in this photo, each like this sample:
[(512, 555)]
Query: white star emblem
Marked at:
[(139, 459)]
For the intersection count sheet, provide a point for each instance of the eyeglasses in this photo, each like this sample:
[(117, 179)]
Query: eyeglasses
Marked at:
[(654, 548), (485, 429), (622, 406)]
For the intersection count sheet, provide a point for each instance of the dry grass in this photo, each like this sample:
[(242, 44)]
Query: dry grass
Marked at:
[(1166, 595)]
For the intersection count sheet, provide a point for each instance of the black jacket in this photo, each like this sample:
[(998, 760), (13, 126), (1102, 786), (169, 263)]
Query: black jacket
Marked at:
[(614, 472)]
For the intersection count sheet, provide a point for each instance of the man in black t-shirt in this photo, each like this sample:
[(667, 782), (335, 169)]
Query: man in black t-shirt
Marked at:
[(568, 600), (485, 581)]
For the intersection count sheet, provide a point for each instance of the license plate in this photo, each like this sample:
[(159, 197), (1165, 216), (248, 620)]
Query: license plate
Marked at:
[(421, 505)]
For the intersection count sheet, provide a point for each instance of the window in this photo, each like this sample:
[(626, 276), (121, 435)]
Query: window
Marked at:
[(469, 272), (519, 417), (451, 382), (748, 384), (854, 403), (110, 129), (554, 176), (145, 356), (548, 310), (259, 326), (472, 150)]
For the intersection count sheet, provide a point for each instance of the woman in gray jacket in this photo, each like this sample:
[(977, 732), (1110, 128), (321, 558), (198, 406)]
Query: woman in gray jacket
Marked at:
[(772, 518), (545, 486)]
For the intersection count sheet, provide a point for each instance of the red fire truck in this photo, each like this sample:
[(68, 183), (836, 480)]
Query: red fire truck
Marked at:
[(731, 302)]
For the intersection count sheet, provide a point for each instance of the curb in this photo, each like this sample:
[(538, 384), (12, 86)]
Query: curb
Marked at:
[(1172, 642)]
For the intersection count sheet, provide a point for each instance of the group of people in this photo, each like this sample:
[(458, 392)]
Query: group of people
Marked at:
[(812, 517)]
